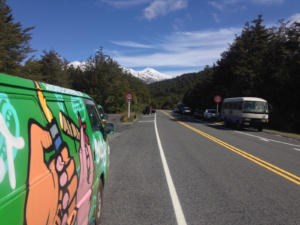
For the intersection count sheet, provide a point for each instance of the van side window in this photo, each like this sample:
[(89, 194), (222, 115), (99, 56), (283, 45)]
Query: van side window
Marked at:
[(94, 118)]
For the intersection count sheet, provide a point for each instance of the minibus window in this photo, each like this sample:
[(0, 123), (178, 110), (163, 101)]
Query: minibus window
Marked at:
[(255, 107)]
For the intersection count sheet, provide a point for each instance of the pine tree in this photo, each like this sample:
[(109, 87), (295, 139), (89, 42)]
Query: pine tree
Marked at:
[(54, 69), (14, 40)]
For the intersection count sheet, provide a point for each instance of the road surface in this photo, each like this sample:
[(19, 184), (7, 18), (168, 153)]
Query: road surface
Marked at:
[(171, 169)]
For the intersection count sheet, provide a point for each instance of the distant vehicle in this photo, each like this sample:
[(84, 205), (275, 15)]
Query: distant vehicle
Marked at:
[(210, 114), (175, 110), (198, 113), (245, 112), (187, 110), (148, 110), (184, 109)]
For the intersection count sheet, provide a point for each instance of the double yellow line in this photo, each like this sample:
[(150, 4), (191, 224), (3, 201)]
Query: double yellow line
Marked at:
[(287, 175)]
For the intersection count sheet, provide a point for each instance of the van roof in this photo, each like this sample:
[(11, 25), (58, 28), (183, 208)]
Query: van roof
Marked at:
[(244, 99), (19, 82)]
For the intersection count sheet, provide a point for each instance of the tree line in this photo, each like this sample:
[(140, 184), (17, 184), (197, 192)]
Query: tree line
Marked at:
[(261, 62), (100, 76)]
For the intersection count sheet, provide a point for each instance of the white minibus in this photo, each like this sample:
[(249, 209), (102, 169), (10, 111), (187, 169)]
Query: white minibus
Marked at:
[(245, 112)]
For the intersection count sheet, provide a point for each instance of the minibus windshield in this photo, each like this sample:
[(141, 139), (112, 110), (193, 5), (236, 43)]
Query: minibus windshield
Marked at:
[(255, 107)]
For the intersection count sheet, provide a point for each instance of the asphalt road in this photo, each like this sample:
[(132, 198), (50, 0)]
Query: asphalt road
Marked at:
[(191, 172)]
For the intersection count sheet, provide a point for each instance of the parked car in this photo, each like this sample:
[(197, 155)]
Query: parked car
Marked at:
[(198, 113), (184, 109), (55, 157), (210, 114)]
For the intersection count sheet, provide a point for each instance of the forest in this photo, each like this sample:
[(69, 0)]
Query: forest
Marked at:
[(260, 62)]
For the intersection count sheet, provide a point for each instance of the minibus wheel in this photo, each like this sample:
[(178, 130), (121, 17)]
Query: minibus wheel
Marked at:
[(239, 126), (226, 123), (259, 129), (99, 203)]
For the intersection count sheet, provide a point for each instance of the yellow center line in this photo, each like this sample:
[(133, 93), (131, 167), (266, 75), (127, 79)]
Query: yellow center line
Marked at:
[(289, 176)]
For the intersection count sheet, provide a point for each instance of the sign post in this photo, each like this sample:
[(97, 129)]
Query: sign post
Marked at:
[(217, 100), (129, 98)]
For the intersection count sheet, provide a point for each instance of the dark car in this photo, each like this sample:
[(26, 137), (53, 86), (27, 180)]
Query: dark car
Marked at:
[(210, 114), (183, 109), (198, 113)]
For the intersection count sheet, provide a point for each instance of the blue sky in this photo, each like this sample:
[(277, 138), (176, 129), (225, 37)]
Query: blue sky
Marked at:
[(171, 36)]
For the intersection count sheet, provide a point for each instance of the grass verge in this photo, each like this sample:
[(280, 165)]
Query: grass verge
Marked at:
[(282, 133), (124, 117)]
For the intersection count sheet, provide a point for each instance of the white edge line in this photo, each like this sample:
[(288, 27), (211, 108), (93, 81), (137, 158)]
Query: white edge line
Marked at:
[(175, 201), (297, 149), (267, 139), (146, 121)]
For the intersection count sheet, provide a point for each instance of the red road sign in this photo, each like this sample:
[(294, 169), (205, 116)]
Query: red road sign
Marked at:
[(217, 99), (129, 96)]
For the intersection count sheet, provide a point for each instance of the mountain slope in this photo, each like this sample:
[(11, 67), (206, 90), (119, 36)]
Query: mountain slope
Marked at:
[(168, 93), (148, 75)]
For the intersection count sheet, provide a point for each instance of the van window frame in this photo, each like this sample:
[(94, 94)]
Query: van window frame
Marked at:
[(89, 103)]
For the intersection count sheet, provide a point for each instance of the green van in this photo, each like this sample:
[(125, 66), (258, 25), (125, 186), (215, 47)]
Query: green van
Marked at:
[(54, 155)]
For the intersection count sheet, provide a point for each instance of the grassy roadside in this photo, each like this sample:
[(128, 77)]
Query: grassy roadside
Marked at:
[(282, 133), (133, 116)]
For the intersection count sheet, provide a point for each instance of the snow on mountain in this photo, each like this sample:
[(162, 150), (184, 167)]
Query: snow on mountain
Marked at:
[(76, 64), (148, 75)]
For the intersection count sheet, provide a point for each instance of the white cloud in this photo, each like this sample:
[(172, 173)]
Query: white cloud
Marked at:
[(222, 5), (130, 44), (295, 18), (218, 5), (163, 7), (196, 57), (268, 2), (216, 17), (125, 3), (182, 49), (154, 9)]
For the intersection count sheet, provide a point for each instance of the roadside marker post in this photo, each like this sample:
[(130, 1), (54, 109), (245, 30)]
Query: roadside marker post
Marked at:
[(217, 100), (129, 98)]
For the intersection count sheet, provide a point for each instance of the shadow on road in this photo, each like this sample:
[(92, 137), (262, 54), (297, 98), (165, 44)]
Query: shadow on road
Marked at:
[(209, 123)]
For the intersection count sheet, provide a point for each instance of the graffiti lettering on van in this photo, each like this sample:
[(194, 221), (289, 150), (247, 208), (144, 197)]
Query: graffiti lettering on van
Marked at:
[(11, 143), (78, 107), (100, 147), (51, 87), (60, 103), (10, 140)]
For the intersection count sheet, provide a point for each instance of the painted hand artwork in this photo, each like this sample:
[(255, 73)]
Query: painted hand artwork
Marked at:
[(54, 197), (84, 190), (59, 198)]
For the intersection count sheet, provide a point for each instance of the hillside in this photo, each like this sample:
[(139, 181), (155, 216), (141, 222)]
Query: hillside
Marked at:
[(167, 93)]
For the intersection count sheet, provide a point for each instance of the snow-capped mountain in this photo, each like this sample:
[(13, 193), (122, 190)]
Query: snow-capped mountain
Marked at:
[(148, 75)]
